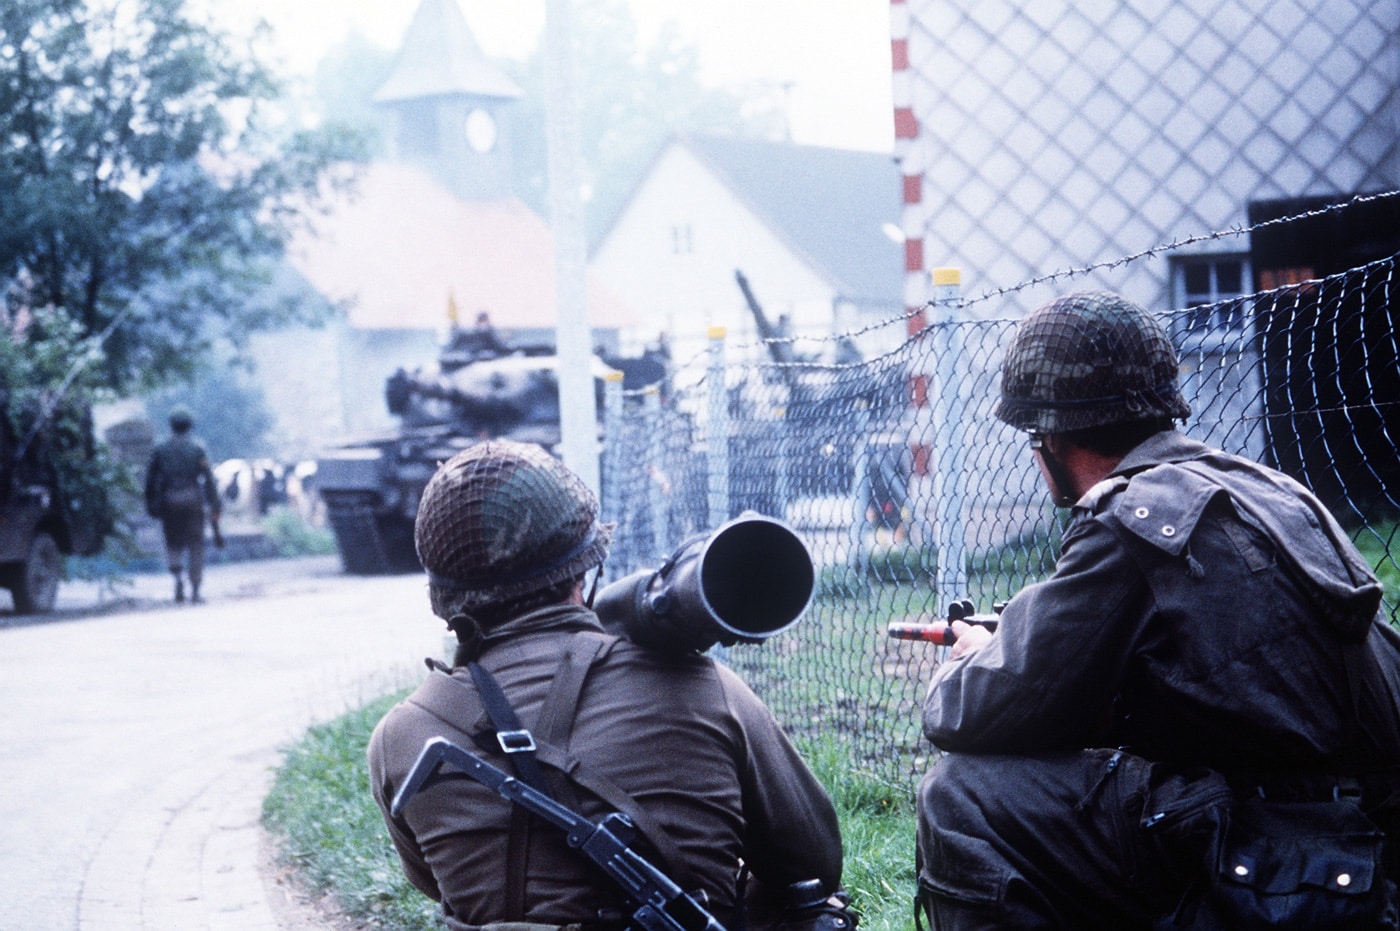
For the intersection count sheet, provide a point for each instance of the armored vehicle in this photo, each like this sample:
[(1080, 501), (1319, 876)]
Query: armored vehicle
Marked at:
[(478, 389), (49, 509)]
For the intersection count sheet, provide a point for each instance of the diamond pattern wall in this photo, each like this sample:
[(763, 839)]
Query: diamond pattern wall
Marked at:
[(1054, 135)]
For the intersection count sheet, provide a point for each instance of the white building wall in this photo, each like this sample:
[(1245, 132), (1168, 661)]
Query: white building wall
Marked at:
[(1055, 135), (672, 254)]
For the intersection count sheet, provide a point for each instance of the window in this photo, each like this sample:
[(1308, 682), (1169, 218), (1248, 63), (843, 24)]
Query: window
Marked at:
[(682, 242), (1207, 286)]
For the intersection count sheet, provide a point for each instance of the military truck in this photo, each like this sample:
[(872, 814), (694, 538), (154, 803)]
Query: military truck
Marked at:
[(479, 388), (52, 504)]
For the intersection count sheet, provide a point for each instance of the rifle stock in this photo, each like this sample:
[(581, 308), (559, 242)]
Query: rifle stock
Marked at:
[(661, 904)]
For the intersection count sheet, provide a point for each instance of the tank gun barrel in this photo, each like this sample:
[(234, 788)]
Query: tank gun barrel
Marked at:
[(779, 347)]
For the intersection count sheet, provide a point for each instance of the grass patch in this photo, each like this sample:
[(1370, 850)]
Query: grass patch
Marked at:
[(838, 674), (1379, 544), (331, 831), (878, 824)]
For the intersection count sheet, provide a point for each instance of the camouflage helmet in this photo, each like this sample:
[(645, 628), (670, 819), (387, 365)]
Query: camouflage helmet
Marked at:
[(503, 519), (1086, 360)]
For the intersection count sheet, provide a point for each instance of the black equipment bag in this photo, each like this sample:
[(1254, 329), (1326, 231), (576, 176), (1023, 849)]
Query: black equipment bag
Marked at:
[(1313, 865)]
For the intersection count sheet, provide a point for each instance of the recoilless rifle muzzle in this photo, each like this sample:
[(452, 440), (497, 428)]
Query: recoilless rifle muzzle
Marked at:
[(749, 579)]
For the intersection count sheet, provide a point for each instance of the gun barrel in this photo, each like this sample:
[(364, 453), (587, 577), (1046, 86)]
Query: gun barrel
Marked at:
[(940, 633)]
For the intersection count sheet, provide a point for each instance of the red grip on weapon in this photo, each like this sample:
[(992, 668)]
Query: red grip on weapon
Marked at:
[(941, 634)]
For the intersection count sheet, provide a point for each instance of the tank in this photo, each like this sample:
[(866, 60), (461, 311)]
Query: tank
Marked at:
[(480, 388)]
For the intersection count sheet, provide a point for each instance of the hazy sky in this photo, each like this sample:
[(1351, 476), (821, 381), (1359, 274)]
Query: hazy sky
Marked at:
[(835, 54)]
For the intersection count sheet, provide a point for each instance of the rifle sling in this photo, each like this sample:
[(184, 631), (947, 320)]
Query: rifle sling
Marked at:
[(555, 727), (520, 751)]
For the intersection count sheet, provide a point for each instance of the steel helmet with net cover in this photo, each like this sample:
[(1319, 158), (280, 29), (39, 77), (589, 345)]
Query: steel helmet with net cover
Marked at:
[(503, 519), (1089, 359)]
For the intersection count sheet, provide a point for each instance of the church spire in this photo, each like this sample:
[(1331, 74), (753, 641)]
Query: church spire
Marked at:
[(440, 56), (444, 98)]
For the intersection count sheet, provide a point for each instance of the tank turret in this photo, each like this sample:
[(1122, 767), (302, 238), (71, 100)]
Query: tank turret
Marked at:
[(479, 388)]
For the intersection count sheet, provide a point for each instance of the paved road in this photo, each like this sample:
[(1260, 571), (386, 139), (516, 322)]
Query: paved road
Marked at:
[(139, 737)]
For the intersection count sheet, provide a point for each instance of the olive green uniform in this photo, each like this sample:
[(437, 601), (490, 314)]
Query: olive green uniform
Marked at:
[(681, 734), (179, 486)]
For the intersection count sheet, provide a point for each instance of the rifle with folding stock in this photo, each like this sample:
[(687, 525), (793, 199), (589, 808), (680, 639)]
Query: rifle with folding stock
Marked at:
[(661, 904)]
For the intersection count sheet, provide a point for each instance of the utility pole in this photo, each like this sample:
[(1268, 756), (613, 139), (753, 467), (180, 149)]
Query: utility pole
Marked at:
[(578, 412)]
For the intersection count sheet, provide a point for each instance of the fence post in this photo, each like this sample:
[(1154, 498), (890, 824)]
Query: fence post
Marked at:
[(614, 447), (861, 533), (782, 482), (656, 474), (717, 431), (949, 422)]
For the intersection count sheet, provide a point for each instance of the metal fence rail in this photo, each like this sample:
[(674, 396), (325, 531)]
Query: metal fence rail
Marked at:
[(911, 495)]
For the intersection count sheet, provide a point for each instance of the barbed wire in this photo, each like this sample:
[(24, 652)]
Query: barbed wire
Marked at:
[(904, 316), (1172, 246)]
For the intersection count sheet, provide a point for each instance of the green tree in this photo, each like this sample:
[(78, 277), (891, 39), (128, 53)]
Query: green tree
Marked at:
[(345, 82), (152, 181)]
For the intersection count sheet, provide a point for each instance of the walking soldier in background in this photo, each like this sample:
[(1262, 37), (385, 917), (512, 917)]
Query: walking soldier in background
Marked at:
[(179, 486), (674, 741), (1209, 633)]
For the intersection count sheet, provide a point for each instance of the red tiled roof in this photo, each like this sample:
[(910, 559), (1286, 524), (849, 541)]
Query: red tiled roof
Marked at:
[(398, 248)]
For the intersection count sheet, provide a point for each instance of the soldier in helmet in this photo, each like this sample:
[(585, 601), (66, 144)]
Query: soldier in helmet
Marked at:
[(677, 742), (1213, 639), (179, 487)]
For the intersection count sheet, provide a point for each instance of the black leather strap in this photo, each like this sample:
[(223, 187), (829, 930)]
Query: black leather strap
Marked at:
[(510, 735), (519, 747)]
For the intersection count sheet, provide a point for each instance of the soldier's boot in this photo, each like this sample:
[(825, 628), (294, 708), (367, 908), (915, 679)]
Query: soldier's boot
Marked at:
[(194, 592), (179, 588)]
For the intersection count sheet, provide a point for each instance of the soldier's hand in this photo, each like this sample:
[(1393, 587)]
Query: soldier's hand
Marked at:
[(971, 637)]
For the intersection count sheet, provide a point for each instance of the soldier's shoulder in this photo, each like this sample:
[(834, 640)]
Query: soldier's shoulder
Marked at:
[(1161, 504)]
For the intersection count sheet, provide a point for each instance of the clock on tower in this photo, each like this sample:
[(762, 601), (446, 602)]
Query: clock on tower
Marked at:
[(481, 131)]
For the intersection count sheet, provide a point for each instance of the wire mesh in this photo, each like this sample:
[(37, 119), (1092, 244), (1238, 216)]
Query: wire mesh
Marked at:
[(910, 495)]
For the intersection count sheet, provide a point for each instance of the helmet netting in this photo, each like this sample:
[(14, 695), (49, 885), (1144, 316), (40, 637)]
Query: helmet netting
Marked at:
[(1086, 360), (502, 519)]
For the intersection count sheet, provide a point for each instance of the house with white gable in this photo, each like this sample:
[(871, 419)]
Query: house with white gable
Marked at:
[(809, 227)]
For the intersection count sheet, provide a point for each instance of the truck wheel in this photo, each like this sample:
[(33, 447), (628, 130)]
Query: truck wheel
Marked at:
[(35, 584)]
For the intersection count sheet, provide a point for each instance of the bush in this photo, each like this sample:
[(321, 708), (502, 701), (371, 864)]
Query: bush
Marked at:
[(292, 536)]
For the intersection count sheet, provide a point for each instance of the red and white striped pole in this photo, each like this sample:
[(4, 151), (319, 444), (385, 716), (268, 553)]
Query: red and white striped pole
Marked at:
[(911, 158)]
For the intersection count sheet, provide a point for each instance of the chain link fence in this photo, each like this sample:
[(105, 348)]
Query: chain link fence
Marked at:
[(910, 495)]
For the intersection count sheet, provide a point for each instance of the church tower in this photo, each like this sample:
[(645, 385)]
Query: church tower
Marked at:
[(444, 102)]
